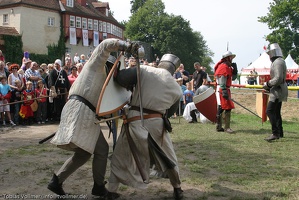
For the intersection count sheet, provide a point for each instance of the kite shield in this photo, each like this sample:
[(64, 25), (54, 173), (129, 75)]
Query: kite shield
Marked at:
[(206, 104), (113, 97)]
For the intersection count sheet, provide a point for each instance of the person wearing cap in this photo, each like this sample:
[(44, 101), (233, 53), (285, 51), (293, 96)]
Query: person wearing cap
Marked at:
[(225, 71), (160, 101), (77, 131), (59, 83), (278, 89), (26, 65)]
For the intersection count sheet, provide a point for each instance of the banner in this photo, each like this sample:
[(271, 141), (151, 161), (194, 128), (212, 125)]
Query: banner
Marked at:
[(95, 38), (73, 38), (85, 37)]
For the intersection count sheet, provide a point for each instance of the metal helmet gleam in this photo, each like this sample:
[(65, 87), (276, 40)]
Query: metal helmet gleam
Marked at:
[(274, 51), (227, 54)]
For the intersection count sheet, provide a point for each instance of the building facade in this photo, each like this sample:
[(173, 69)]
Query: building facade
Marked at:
[(85, 24)]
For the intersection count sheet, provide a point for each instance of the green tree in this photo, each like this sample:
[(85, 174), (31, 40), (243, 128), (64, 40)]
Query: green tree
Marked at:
[(283, 20), (136, 4), (167, 34)]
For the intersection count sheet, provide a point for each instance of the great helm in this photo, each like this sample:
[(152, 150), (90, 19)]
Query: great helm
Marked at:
[(227, 54), (274, 51), (171, 59)]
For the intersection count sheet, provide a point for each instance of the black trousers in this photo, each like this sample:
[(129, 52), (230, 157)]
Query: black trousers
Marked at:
[(274, 113)]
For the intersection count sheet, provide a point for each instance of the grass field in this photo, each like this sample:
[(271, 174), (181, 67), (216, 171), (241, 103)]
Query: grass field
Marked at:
[(241, 165), (213, 165)]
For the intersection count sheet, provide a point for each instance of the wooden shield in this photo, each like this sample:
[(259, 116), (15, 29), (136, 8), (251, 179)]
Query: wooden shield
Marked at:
[(113, 97), (206, 104), (261, 105)]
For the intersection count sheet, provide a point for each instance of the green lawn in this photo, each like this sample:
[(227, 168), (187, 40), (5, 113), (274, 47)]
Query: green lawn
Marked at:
[(241, 165)]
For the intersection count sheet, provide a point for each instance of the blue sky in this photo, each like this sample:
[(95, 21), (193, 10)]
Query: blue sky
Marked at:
[(221, 22)]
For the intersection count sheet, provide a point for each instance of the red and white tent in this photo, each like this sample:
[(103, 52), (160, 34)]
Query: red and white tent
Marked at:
[(261, 65)]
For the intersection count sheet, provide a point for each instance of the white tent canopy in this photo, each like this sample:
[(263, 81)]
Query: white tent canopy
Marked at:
[(261, 65), (291, 65)]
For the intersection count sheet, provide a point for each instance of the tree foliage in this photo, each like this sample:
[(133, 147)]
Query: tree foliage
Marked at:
[(167, 34), (283, 20)]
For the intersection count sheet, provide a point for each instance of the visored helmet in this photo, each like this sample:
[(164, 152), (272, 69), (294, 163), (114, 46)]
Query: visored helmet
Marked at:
[(274, 51), (169, 62)]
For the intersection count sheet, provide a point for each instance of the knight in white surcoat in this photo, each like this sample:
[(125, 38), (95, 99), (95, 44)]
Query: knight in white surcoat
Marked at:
[(77, 129), (160, 97)]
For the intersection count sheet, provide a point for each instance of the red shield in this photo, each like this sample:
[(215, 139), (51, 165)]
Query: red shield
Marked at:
[(206, 104)]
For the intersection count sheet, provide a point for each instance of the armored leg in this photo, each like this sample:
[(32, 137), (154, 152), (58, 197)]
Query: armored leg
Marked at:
[(219, 120), (227, 115)]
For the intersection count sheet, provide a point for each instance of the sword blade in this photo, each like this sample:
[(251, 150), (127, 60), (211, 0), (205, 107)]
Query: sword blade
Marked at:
[(245, 108)]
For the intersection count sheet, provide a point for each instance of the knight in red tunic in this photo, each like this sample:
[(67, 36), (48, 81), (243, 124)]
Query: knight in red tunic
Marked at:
[(225, 72)]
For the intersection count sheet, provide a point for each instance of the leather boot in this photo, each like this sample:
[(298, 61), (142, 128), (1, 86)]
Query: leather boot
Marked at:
[(99, 190), (55, 186), (193, 115), (178, 193), (219, 124), (227, 122), (272, 137), (112, 196)]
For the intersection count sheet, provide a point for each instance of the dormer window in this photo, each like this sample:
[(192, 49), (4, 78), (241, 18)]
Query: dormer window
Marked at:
[(107, 12), (70, 3)]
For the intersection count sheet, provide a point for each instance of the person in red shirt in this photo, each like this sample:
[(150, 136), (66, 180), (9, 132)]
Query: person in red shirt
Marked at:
[(225, 72), (41, 93), (74, 74)]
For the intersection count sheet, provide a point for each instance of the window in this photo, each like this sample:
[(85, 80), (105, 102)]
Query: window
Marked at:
[(72, 21), (100, 26), (104, 27), (51, 21), (84, 23), (5, 19), (78, 22), (104, 35), (108, 28), (70, 3), (90, 24), (95, 25)]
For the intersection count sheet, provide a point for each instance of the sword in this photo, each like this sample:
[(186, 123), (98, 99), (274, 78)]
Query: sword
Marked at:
[(47, 138), (139, 54), (246, 108)]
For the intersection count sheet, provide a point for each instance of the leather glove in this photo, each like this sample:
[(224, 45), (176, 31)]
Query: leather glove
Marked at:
[(225, 94), (235, 68), (266, 86), (130, 48)]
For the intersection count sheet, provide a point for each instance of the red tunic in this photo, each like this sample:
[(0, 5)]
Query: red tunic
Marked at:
[(223, 68)]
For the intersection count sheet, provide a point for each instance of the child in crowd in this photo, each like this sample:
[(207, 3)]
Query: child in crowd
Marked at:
[(5, 94), (188, 94), (41, 113), (26, 112), (181, 106), (15, 97)]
